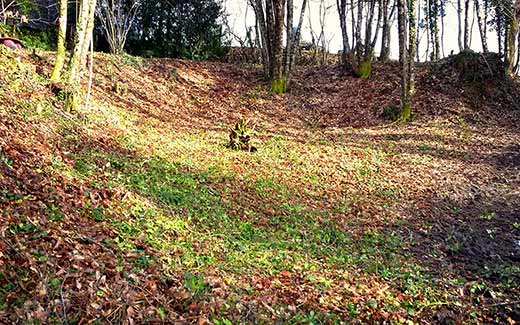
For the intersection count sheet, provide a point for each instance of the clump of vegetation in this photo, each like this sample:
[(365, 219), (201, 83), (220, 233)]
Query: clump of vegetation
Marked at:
[(279, 86), (363, 69), (240, 136), (31, 38), (391, 112), (476, 67)]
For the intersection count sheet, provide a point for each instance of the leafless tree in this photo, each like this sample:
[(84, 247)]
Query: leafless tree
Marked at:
[(116, 17)]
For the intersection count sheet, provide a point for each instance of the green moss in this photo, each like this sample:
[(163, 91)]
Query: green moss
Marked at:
[(279, 86), (406, 111), (364, 69)]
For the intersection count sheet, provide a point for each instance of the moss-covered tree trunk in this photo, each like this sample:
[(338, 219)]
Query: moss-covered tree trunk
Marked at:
[(61, 52), (403, 58), (278, 81), (81, 29)]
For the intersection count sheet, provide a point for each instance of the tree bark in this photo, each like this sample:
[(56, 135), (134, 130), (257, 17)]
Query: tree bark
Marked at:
[(481, 26), (405, 100), (459, 19), (81, 30), (342, 11), (289, 37), (297, 35), (62, 34), (512, 37), (435, 19), (466, 25), (412, 43), (385, 50)]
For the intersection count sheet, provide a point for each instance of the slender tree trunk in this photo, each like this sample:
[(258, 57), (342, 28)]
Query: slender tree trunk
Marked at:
[(277, 78), (385, 50), (481, 26), (62, 34), (368, 29), (89, 32), (412, 34), (289, 37), (403, 58), (435, 19), (359, 44), (417, 56), (261, 21), (499, 17), (296, 41), (428, 30), (512, 37), (517, 63), (459, 19), (353, 26), (378, 27), (466, 25), (443, 26), (342, 11), (81, 30), (471, 29)]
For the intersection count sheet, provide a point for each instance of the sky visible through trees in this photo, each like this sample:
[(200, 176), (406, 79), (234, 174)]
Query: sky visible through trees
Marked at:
[(241, 15)]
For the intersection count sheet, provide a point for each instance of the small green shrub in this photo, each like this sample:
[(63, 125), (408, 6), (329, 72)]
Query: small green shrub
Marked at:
[(365, 69), (240, 136), (391, 113)]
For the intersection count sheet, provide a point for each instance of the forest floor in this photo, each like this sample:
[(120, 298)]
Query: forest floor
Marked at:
[(134, 210)]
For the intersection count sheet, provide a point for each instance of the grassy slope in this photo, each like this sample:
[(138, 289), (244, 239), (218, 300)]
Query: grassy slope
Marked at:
[(135, 209)]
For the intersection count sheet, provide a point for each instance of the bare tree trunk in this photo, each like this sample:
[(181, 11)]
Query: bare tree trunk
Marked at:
[(443, 26), (271, 18), (466, 25), (403, 58), (517, 64), (89, 32), (499, 17), (378, 27), (289, 37), (353, 26), (411, 55), (471, 29), (512, 37), (359, 44), (481, 26), (385, 50), (368, 29), (428, 29), (459, 19), (417, 56), (81, 30), (62, 34), (265, 46), (342, 11), (296, 42), (435, 19)]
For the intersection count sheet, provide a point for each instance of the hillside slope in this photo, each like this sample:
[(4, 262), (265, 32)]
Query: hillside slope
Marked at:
[(135, 210)]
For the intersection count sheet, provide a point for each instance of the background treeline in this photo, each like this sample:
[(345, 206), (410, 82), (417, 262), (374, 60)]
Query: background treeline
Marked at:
[(197, 29), (181, 28)]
